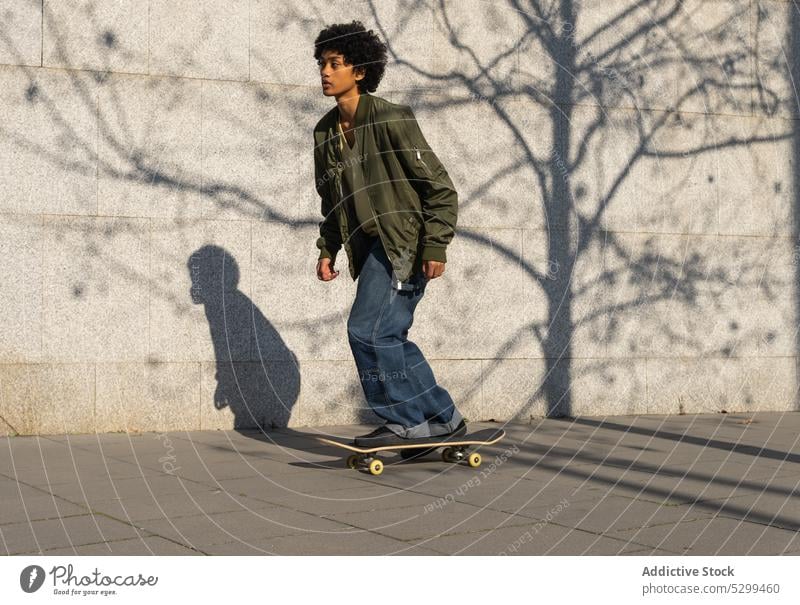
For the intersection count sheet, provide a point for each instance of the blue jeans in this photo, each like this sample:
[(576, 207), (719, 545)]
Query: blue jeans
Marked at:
[(398, 383)]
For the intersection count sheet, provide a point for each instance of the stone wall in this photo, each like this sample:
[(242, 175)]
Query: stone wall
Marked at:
[(626, 236)]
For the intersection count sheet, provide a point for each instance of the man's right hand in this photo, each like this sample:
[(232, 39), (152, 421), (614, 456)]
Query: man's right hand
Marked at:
[(325, 270)]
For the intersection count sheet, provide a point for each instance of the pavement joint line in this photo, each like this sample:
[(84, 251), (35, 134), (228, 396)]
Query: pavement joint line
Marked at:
[(721, 499), (294, 535), (46, 550), (640, 527), (754, 522), (50, 493), (433, 548), (464, 533), (28, 522), (407, 540), (54, 496), (207, 515), (633, 552), (392, 508), (289, 535), (151, 533), (589, 531), (640, 499), (36, 487), (572, 529)]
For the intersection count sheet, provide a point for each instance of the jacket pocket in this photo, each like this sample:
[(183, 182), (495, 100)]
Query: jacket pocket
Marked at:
[(412, 224)]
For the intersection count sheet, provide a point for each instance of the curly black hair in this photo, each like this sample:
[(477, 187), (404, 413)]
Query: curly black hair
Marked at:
[(361, 48)]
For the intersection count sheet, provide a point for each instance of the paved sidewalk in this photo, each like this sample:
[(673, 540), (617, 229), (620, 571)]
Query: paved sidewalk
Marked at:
[(694, 484)]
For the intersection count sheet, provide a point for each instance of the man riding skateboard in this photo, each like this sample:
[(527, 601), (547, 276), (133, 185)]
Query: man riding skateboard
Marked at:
[(387, 199)]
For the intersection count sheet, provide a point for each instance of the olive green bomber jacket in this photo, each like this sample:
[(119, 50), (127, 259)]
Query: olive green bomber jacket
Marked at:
[(411, 194)]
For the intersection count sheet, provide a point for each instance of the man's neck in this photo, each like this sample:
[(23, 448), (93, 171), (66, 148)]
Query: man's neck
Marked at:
[(348, 103)]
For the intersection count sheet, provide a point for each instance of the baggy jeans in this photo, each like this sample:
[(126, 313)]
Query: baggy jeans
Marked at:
[(397, 381)]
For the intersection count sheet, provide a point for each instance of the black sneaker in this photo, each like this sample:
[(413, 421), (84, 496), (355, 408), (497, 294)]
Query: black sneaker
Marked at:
[(383, 436), (454, 435), (380, 437), (457, 433)]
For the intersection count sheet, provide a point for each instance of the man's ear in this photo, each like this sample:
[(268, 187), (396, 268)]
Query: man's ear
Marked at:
[(360, 73)]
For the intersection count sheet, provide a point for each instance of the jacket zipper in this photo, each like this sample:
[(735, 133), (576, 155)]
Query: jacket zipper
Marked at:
[(372, 210), (421, 161)]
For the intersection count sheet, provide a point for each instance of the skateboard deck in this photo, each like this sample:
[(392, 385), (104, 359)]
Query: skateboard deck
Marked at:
[(455, 449)]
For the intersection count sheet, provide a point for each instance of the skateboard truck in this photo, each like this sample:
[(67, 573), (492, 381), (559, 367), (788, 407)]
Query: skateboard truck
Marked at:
[(449, 454)]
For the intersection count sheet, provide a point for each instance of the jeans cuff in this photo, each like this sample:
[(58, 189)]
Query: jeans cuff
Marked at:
[(427, 429)]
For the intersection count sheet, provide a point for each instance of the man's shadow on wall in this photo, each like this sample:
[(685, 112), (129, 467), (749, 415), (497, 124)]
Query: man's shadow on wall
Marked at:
[(257, 376)]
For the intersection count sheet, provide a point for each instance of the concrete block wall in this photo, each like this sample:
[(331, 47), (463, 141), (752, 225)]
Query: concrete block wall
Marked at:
[(158, 215)]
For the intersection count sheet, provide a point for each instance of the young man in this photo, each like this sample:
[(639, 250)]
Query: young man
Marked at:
[(390, 203)]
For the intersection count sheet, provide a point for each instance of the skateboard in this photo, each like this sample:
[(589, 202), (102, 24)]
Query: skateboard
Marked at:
[(455, 449)]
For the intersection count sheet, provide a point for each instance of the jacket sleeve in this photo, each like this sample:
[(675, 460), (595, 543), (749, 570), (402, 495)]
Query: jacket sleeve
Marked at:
[(330, 239), (428, 177)]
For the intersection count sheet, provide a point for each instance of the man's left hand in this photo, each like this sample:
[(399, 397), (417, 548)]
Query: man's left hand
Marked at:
[(432, 268)]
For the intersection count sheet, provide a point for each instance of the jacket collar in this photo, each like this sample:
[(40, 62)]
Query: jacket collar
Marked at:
[(362, 111)]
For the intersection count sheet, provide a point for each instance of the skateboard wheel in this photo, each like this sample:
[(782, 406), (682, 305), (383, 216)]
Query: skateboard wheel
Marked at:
[(352, 461), (376, 467), (474, 460), (448, 455)]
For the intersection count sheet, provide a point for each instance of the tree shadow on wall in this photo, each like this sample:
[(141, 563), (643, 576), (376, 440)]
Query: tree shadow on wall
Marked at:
[(600, 108), (257, 376)]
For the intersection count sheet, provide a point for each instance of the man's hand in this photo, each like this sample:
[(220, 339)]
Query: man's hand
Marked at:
[(325, 270), (432, 268)]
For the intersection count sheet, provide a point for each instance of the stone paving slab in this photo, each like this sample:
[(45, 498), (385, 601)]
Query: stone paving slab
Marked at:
[(375, 498), (172, 506), (656, 485), (362, 542), (781, 512), (35, 507), (254, 525), (612, 514), (24, 537), (716, 537), (414, 522), (149, 545), (532, 539)]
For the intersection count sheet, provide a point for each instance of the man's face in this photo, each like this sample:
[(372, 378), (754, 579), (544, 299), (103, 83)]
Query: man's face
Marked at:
[(337, 77)]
